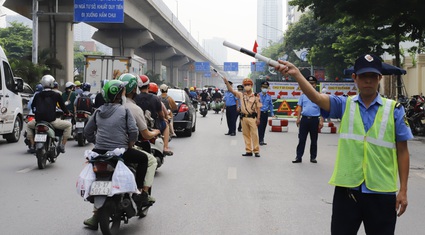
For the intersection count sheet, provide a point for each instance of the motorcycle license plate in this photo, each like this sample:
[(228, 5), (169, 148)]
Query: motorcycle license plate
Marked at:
[(203, 106), (40, 137), (79, 124), (101, 188)]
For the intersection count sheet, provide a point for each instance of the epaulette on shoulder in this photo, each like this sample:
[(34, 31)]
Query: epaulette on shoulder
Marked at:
[(398, 105)]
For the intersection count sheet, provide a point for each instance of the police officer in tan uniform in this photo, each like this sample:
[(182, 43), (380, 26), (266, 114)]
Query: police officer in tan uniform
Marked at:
[(250, 113)]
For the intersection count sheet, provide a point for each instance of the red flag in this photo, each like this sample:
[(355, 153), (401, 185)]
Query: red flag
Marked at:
[(255, 46)]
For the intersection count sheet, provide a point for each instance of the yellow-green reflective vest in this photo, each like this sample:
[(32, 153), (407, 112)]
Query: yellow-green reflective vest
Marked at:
[(371, 156)]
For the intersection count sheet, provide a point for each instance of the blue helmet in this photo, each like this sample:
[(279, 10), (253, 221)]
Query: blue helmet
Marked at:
[(86, 86), (38, 87)]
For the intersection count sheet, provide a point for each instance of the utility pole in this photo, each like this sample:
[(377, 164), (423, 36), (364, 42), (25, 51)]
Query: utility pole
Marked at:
[(35, 31)]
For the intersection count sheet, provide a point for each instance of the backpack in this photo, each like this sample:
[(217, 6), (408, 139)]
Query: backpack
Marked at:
[(166, 102), (84, 103)]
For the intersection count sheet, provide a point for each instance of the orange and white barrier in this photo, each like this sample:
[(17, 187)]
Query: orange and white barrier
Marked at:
[(278, 125), (328, 128)]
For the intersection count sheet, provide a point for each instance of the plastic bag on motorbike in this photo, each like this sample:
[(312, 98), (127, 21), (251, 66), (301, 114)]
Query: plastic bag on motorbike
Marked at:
[(123, 180), (85, 180)]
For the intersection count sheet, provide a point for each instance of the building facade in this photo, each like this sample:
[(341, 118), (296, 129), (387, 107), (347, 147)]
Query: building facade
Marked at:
[(269, 22)]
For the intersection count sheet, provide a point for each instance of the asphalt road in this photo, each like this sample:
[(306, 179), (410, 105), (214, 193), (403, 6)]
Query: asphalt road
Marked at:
[(206, 187)]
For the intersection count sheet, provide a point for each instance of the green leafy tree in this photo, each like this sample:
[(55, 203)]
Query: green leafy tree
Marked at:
[(16, 41), (402, 20)]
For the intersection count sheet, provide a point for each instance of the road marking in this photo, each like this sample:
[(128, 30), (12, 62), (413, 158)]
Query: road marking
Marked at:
[(233, 142), (25, 170), (232, 173)]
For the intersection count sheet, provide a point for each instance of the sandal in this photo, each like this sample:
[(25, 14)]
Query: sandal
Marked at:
[(168, 153)]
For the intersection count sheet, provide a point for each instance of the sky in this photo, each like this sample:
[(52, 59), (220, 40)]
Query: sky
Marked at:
[(234, 21)]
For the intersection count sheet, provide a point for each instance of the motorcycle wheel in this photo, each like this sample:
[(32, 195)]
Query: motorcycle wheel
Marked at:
[(203, 115), (41, 158), (109, 220), (81, 140)]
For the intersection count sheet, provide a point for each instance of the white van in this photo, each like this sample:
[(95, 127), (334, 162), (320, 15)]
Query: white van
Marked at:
[(10, 102)]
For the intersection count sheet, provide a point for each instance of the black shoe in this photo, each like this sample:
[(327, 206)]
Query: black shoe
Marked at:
[(61, 149), (141, 199), (232, 134), (247, 154), (257, 155), (297, 160), (240, 130), (313, 160), (227, 134), (31, 150), (262, 143)]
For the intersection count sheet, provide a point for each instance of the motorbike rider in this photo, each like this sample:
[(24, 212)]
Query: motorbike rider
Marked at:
[(151, 102), (44, 107), (113, 126), (217, 96), (98, 99), (69, 96), (130, 82), (86, 93), (170, 105), (153, 89)]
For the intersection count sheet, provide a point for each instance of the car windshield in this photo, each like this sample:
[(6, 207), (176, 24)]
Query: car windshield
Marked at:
[(177, 95)]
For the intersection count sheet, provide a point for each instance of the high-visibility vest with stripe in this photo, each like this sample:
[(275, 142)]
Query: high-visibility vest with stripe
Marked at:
[(371, 156)]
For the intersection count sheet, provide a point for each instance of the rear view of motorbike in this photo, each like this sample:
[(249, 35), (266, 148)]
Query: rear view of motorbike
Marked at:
[(415, 114), (81, 118), (46, 141), (114, 200)]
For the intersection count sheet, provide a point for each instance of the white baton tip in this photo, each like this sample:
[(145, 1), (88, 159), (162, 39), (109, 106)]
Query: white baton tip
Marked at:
[(231, 45)]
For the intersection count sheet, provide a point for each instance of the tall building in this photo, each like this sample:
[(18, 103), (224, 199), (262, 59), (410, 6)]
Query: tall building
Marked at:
[(269, 22), (292, 14)]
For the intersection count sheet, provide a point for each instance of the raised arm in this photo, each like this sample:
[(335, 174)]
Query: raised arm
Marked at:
[(286, 68)]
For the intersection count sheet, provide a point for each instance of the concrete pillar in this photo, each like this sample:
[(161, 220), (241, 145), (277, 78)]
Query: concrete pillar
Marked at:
[(123, 41), (123, 51), (64, 39)]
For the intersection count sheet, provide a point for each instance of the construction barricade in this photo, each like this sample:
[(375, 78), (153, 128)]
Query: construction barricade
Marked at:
[(278, 125), (328, 128)]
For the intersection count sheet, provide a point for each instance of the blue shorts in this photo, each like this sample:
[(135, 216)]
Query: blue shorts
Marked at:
[(161, 126)]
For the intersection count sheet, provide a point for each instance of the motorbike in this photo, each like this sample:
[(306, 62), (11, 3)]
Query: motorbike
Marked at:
[(113, 203), (47, 140), (155, 146), (27, 119), (217, 105), (203, 110), (81, 119), (415, 114)]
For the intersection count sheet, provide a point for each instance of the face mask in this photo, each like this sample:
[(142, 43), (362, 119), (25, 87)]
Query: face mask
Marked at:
[(264, 90), (247, 88)]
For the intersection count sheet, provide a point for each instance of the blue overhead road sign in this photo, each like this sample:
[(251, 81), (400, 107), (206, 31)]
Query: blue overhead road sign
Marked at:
[(231, 66), (202, 66), (99, 11)]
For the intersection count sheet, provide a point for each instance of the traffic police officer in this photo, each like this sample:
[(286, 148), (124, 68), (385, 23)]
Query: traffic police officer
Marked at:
[(310, 122), (267, 105), (250, 113), (231, 112)]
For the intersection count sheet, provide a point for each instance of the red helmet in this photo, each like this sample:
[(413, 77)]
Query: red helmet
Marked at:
[(143, 81), (153, 88), (216, 89)]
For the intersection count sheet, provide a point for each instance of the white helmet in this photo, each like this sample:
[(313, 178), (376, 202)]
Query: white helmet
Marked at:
[(47, 81), (163, 87), (69, 84)]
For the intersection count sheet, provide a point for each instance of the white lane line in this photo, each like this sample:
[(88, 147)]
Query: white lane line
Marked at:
[(233, 142), (25, 170), (232, 173)]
